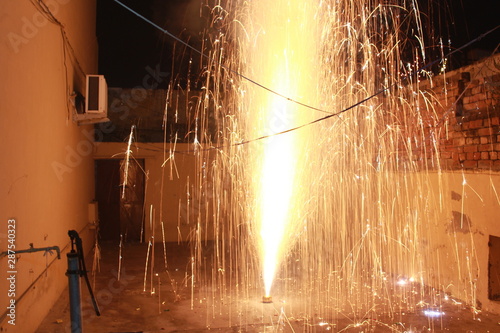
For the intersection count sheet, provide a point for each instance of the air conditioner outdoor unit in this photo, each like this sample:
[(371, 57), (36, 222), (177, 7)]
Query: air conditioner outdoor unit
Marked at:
[(96, 101)]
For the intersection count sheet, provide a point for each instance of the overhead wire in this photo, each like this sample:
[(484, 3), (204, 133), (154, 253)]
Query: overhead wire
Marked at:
[(330, 115), (166, 32)]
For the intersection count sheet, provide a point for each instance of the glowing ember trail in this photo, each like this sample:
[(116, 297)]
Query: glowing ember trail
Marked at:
[(280, 55), (277, 186), (345, 212), (340, 218)]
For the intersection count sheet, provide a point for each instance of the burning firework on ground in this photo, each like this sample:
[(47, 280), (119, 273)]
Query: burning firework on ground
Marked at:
[(306, 132)]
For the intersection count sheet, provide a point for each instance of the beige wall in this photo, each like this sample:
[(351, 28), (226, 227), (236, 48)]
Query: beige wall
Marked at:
[(167, 188), (456, 214), (46, 178), (460, 234)]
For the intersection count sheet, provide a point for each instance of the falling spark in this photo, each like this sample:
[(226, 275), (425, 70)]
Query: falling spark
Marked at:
[(126, 161), (146, 267), (192, 283), (159, 293), (152, 242), (120, 257), (164, 245), (96, 262)]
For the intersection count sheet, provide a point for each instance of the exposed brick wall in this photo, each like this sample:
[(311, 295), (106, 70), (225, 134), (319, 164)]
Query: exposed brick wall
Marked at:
[(462, 124)]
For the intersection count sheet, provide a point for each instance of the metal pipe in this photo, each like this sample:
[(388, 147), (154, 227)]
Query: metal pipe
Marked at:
[(73, 274), (34, 249)]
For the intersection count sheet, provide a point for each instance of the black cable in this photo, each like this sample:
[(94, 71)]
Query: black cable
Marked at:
[(330, 115), (220, 64), (45, 11)]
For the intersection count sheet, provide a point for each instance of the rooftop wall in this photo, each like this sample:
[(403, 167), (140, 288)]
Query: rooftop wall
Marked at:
[(462, 127)]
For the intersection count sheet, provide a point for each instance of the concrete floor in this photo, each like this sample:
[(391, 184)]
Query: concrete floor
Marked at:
[(126, 307)]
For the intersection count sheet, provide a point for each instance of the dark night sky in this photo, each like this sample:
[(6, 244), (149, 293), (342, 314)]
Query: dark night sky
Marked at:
[(468, 19), (128, 45)]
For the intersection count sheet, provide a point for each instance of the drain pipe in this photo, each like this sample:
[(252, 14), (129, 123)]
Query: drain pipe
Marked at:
[(76, 269)]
